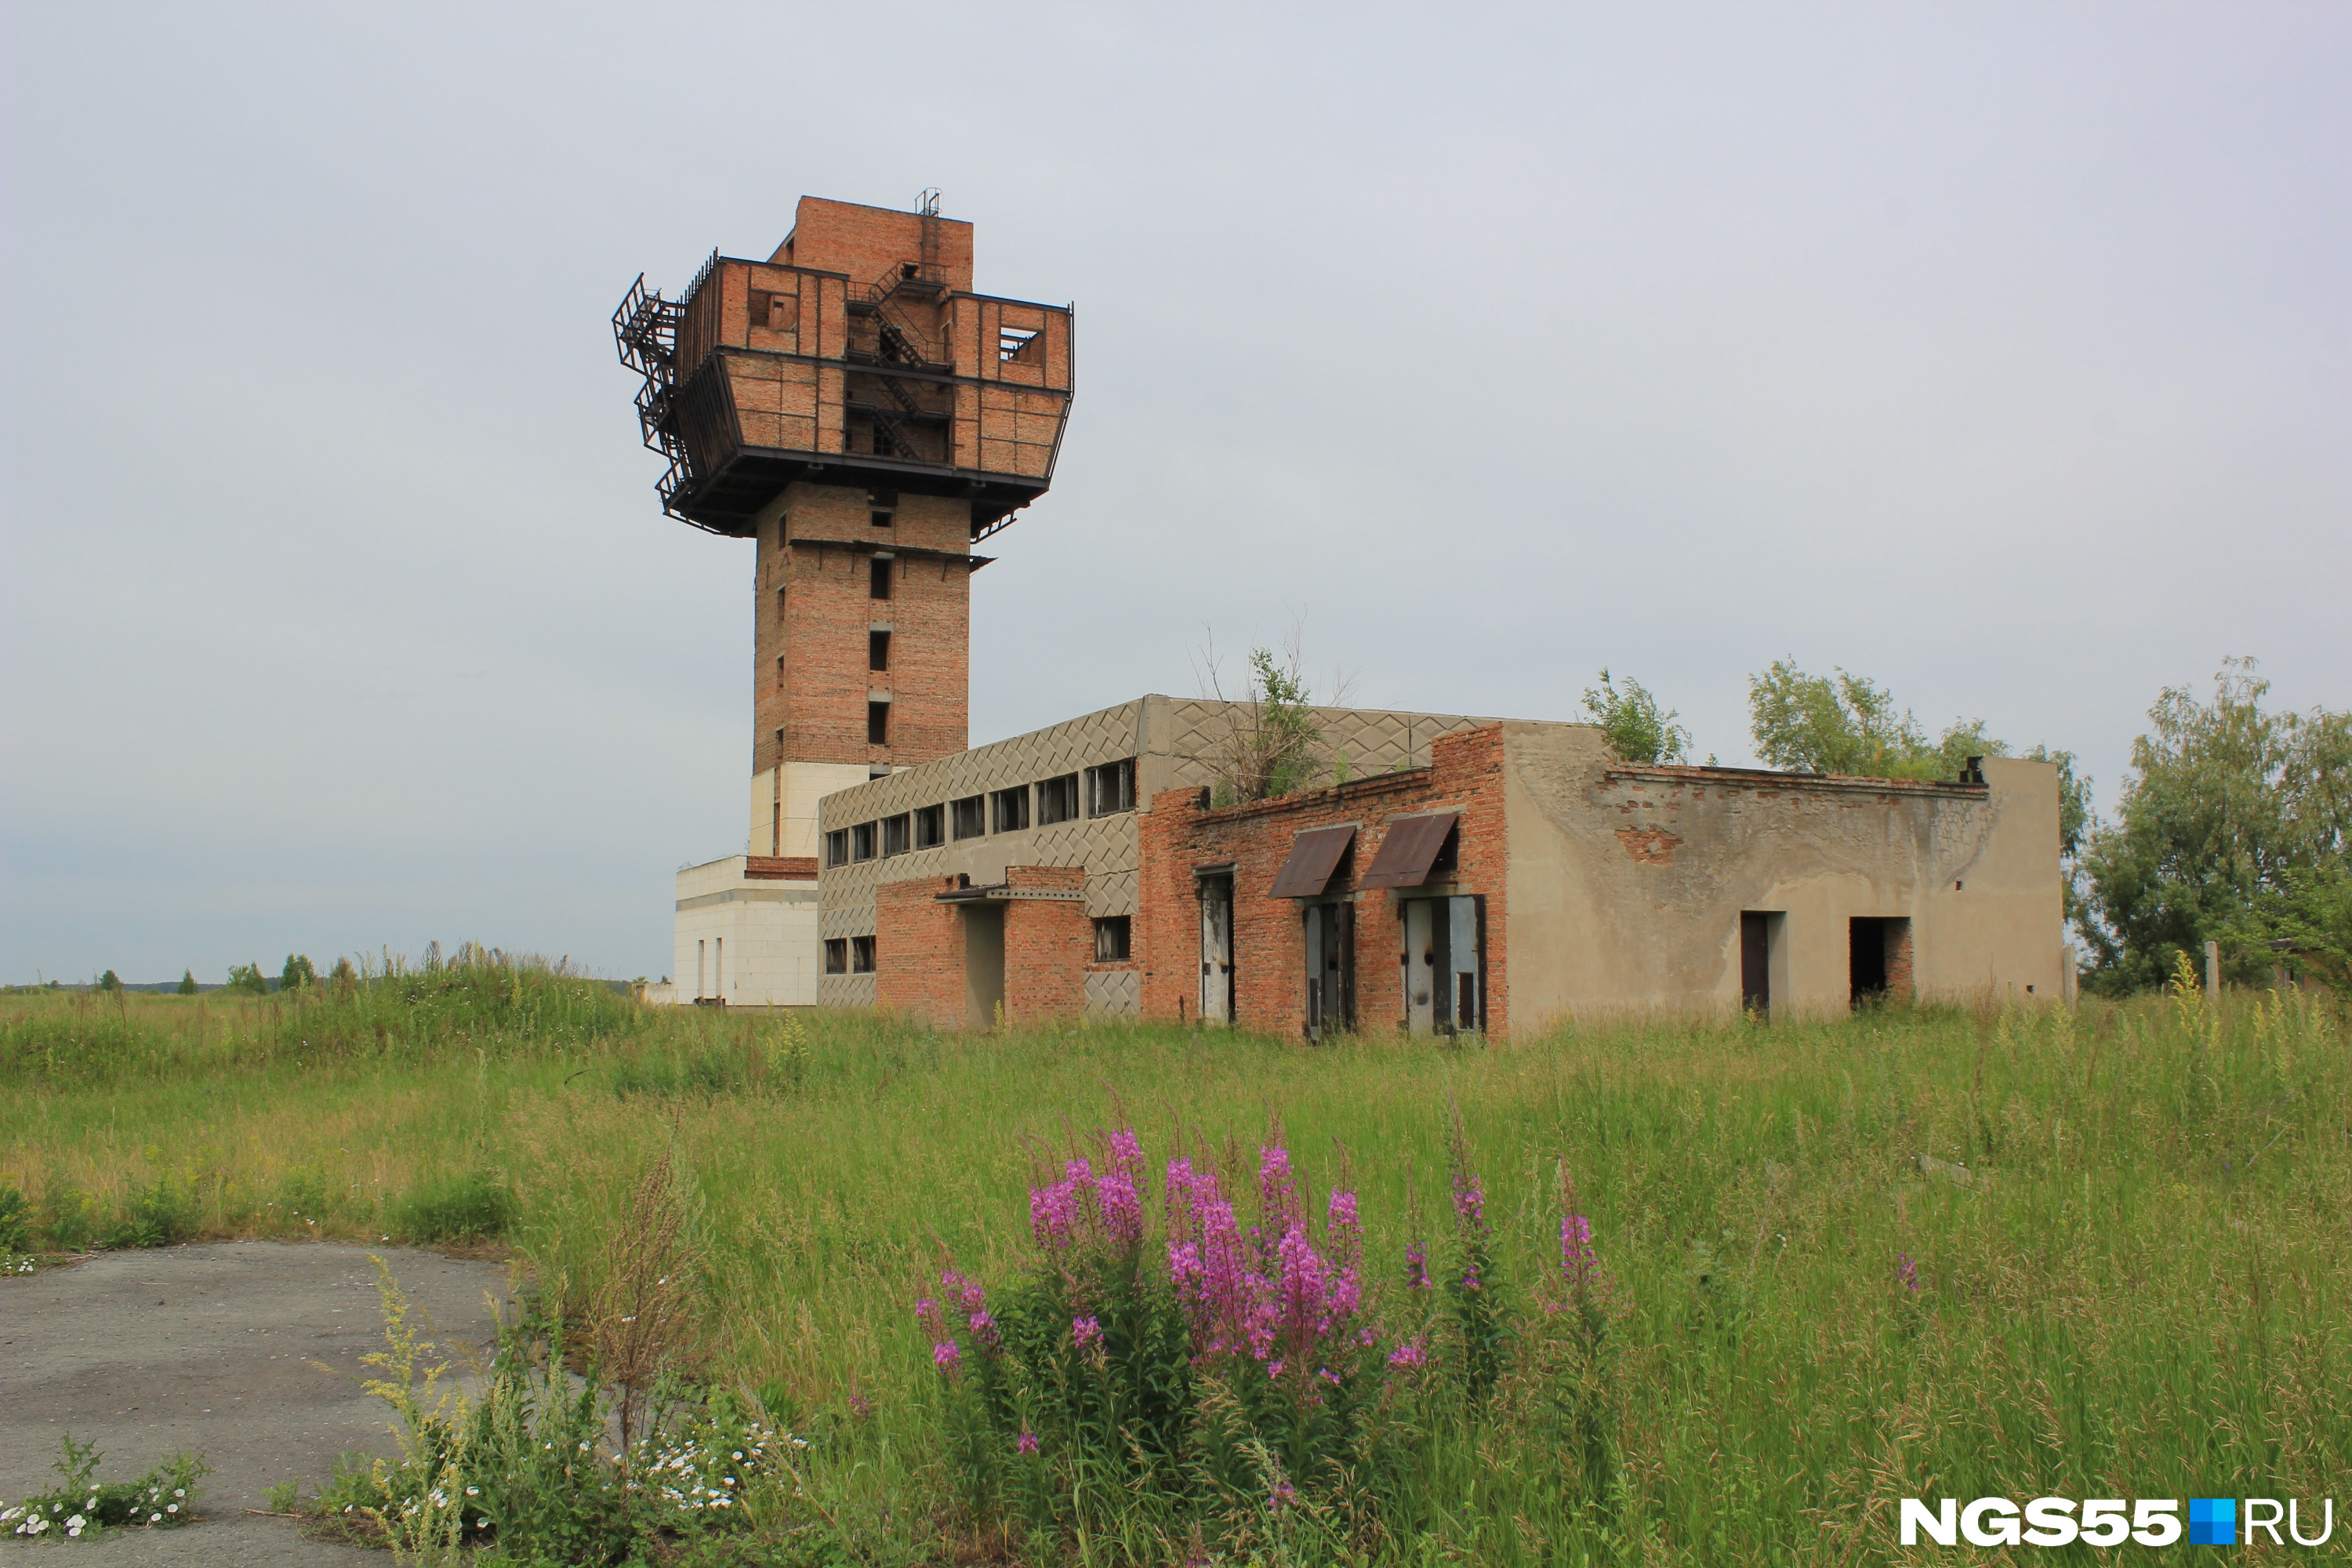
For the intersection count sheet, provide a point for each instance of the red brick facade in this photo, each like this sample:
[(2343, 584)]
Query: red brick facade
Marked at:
[(816, 613), (1180, 839), (1048, 944)]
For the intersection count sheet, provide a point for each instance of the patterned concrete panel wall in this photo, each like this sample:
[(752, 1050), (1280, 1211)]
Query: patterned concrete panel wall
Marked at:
[(1175, 742)]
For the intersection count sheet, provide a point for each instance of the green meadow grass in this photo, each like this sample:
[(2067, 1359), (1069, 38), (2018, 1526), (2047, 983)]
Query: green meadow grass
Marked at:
[(2131, 1224)]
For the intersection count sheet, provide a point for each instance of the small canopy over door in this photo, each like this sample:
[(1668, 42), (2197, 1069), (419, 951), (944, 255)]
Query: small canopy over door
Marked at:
[(1409, 850), (1315, 855)]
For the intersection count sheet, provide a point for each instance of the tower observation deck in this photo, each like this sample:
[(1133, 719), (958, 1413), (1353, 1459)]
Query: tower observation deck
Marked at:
[(858, 356)]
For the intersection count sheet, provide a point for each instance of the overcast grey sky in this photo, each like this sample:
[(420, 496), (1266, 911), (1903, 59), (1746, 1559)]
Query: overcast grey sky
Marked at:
[(1997, 352)]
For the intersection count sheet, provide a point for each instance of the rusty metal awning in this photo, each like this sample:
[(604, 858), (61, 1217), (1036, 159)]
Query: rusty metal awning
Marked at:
[(1408, 850), (1314, 856)]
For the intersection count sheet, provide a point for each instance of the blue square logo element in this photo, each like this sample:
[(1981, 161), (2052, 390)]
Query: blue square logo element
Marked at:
[(2213, 1522)]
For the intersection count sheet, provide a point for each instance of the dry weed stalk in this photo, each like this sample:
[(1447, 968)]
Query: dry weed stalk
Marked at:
[(645, 1305)]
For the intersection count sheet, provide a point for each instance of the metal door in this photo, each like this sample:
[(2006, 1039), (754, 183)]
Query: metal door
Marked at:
[(1465, 970), (1331, 968), (1217, 949), (1419, 962), (1444, 965)]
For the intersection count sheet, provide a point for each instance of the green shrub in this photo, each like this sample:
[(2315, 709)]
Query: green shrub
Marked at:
[(156, 1215), (248, 979), (187, 983), (15, 1221), (69, 1216), (475, 1206)]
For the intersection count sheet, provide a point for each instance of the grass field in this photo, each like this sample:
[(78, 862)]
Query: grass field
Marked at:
[(2105, 1252)]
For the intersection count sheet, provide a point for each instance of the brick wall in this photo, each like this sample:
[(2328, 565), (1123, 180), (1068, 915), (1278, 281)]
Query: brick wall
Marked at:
[(1179, 838), (918, 952), (815, 609), (1899, 982), (1048, 945)]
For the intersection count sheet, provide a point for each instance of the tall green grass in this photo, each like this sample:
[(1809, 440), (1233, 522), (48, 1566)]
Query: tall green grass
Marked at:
[(2131, 1224)]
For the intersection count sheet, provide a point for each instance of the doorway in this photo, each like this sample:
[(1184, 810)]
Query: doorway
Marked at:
[(1761, 934), (1878, 958), (983, 965), (1217, 948), (1444, 964), (1331, 968)]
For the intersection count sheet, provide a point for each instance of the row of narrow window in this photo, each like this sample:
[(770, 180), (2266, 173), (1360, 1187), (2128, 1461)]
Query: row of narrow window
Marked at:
[(1114, 943), (1106, 791)]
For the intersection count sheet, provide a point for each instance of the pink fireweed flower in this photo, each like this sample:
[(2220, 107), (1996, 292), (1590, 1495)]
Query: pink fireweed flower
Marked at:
[(1416, 1267), (1413, 1352), (1026, 1442), (1125, 1149), (927, 1313), (1469, 1201), (1284, 1495), (1120, 1208), (1085, 1333), (985, 1334), (1906, 1272), (967, 1293), (1052, 1213), (1277, 1194), (1577, 1262), (947, 1357)]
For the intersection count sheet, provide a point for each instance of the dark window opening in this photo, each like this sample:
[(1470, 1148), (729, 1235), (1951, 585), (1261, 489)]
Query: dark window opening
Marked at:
[(779, 670), (780, 603), (1057, 800), (1011, 808), (837, 846), (897, 834), (1110, 788), (1018, 342), (861, 955), (861, 842), (877, 723), (1112, 939), (930, 827), (836, 955), (775, 313), (879, 519), (878, 580), (877, 650), (1879, 959), (970, 815)]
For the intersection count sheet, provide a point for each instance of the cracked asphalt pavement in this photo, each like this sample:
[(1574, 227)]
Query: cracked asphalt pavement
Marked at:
[(245, 1352)]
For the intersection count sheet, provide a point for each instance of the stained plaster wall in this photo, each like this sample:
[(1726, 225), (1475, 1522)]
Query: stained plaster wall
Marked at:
[(1626, 884)]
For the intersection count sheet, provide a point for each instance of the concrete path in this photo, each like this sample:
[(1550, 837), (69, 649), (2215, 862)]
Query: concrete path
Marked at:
[(210, 1348)]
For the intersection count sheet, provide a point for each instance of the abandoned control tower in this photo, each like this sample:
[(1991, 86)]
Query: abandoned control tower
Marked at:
[(852, 405)]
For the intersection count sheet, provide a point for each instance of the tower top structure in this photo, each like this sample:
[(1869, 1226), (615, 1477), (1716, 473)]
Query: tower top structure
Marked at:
[(857, 355)]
